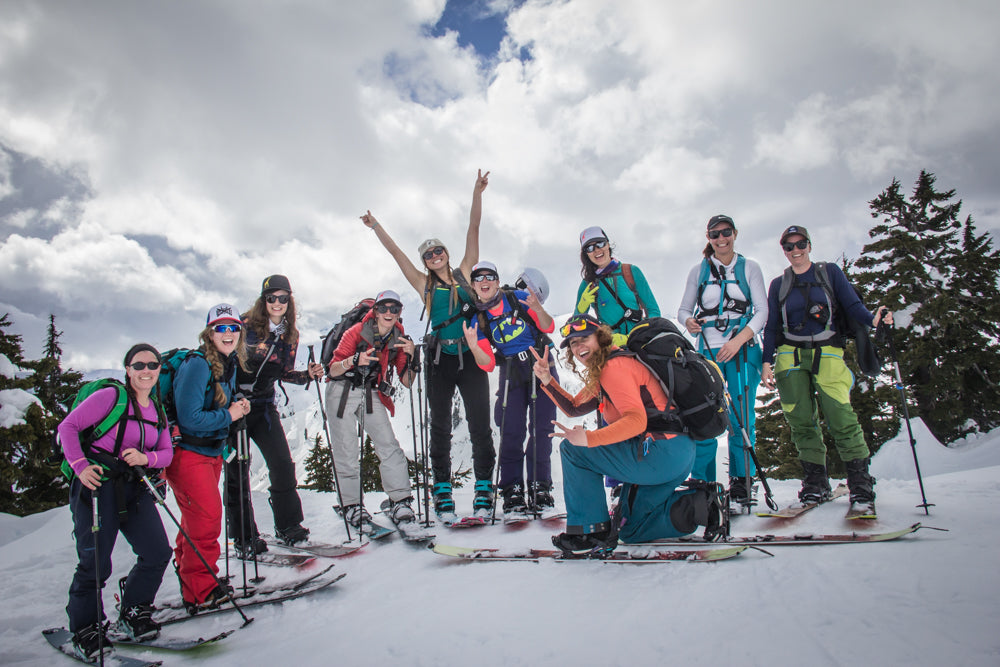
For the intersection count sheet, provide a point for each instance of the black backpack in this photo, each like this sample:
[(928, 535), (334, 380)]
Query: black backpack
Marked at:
[(332, 339), (869, 359), (695, 387)]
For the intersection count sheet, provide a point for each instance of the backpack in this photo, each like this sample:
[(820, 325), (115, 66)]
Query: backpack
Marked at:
[(694, 385), (170, 361), (711, 275), (839, 323), (115, 418), (517, 311), (628, 314), (332, 339)]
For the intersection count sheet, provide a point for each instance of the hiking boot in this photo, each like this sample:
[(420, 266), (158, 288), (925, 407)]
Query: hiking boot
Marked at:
[(401, 511), (291, 536), (356, 515), (592, 545), (482, 502), (513, 500), (90, 642), (137, 623), (860, 482), (215, 598), (540, 496), (815, 483), (443, 502), (250, 548)]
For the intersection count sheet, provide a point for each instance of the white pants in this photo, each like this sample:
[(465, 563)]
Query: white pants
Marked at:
[(346, 446)]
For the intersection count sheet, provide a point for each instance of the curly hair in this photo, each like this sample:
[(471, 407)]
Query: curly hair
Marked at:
[(218, 364), (594, 366), (258, 320)]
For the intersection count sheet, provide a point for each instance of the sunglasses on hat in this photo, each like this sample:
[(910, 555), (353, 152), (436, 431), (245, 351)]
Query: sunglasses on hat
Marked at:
[(800, 244), (280, 298), (573, 325)]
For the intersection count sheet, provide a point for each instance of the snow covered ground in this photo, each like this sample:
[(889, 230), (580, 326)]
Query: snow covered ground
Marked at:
[(932, 598)]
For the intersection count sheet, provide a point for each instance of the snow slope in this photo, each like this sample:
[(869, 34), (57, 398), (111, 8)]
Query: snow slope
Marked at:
[(932, 598)]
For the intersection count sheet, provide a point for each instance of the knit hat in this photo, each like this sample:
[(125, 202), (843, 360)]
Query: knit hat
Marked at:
[(136, 349)]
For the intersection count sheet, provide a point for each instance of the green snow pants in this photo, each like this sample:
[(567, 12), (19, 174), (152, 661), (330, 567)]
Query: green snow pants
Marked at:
[(799, 388)]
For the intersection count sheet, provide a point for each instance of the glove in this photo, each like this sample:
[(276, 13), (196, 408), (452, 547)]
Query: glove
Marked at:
[(587, 298), (619, 339)]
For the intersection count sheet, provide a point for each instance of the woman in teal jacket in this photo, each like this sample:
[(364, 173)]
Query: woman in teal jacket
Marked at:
[(618, 293)]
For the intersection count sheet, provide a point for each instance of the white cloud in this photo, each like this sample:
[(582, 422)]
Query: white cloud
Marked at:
[(805, 142)]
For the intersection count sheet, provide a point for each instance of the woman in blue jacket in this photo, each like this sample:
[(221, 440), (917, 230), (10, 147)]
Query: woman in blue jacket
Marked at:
[(203, 389)]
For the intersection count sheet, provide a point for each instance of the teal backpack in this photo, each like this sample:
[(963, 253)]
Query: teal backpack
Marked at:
[(170, 361)]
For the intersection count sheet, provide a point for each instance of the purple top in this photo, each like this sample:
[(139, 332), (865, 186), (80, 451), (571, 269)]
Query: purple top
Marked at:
[(157, 446)]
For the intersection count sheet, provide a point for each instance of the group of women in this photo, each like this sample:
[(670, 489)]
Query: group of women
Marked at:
[(474, 327)]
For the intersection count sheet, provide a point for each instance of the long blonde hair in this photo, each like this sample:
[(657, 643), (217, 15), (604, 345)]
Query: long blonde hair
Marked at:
[(218, 364), (594, 366), (429, 287)]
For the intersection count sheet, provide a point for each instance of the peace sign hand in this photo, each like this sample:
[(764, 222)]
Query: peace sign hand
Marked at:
[(576, 436), (541, 367), (482, 180)]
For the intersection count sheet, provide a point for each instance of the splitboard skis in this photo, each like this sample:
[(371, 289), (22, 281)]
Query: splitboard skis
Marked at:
[(797, 509), (61, 639), (802, 539), (299, 561), (167, 643), (174, 612), (317, 548), (635, 556)]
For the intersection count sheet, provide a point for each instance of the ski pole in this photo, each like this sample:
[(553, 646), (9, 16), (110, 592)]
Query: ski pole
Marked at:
[(366, 398), (246, 500), (503, 420), (413, 368), (141, 471), (748, 446), (906, 414), (95, 526), (329, 444), (422, 409), (744, 381), (533, 438)]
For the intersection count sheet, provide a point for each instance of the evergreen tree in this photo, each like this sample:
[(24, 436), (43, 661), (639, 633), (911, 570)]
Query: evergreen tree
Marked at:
[(28, 465), (940, 277), (319, 467)]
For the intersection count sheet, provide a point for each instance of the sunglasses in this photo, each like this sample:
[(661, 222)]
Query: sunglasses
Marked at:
[(594, 245), (801, 245), (280, 298), (227, 328), (716, 233), (143, 365), (430, 254), (384, 308), (573, 325), (481, 277)]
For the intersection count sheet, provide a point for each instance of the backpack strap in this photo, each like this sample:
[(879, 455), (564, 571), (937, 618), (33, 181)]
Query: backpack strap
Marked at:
[(628, 312)]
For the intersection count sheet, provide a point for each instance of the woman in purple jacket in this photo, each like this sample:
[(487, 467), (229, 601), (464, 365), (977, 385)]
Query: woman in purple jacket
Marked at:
[(123, 504)]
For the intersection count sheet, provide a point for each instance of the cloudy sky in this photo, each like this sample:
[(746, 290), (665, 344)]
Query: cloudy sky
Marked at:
[(159, 157)]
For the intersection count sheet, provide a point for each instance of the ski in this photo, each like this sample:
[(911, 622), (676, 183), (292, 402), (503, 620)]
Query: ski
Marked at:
[(317, 548), (863, 511), (167, 643), (299, 561), (797, 509), (797, 540), (634, 556), (374, 531), (175, 612), (412, 531), (61, 639)]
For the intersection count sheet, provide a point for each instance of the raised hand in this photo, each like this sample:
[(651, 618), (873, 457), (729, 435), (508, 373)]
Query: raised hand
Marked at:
[(482, 180), (471, 333), (532, 300), (541, 367), (407, 345), (369, 220)]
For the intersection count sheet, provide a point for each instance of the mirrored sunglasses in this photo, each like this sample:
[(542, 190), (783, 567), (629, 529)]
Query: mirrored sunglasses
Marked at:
[(573, 325), (143, 365), (227, 328), (433, 251), (716, 233), (594, 245), (801, 245), (280, 298), (384, 308), (480, 277)]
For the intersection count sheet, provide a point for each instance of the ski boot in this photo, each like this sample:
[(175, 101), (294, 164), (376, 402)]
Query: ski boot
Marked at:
[(291, 536), (137, 623), (514, 507), (444, 504), (599, 544), (815, 483), (862, 492), (91, 642), (401, 511), (482, 502)]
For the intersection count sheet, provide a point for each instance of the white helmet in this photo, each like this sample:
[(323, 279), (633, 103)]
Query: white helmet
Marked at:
[(533, 279)]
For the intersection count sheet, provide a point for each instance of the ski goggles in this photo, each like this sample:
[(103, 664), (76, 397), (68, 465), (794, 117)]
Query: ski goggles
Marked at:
[(430, 254), (482, 277), (384, 308), (279, 298), (716, 233), (227, 328), (594, 245), (581, 325), (143, 365), (801, 244)]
